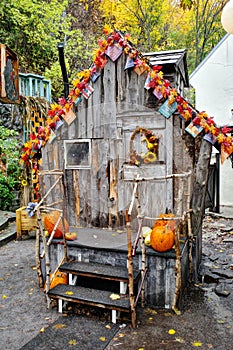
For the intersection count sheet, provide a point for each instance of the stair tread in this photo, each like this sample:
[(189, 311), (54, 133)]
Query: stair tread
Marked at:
[(98, 270), (89, 296)]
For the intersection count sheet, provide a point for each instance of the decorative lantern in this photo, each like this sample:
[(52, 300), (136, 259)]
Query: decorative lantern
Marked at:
[(227, 17)]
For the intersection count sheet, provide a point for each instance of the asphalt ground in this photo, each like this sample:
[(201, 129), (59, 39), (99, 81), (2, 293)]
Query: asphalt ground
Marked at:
[(205, 321)]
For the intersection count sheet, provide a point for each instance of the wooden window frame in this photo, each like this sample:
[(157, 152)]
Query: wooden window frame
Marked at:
[(77, 166)]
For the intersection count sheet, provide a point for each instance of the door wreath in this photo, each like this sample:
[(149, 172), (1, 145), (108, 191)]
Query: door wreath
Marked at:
[(152, 144)]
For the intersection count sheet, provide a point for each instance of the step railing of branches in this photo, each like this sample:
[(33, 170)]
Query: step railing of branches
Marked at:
[(183, 220), (40, 232)]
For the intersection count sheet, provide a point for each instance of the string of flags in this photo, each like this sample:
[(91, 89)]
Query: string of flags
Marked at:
[(112, 47)]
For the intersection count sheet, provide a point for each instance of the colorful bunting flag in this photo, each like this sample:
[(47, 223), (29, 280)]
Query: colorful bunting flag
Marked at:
[(113, 52), (168, 109), (194, 130), (87, 91)]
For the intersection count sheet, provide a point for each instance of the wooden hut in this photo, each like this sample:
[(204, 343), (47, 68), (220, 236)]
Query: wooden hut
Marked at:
[(101, 149)]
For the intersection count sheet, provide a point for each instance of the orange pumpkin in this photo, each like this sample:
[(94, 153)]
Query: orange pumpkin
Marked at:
[(162, 238), (171, 224), (50, 221), (57, 278)]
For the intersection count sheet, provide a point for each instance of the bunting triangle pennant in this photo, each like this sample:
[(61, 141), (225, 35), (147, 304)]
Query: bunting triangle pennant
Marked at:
[(113, 52), (194, 130), (69, 116), (226, 151), (158, 94), (87, 91), (129, 63), (168, 109), (210, 138), (147, 82)]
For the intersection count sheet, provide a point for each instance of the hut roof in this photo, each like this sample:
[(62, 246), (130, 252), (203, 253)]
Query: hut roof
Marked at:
[(170, 60)]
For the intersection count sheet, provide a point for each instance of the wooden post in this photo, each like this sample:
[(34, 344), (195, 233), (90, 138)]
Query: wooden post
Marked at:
[(38, 264), (190, 232), (198, 200), (177, 248), (47, 260), (143, 250), (130, 270)]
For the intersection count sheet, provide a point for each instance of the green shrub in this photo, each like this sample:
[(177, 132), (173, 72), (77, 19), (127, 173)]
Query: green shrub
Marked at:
[(10, 168)]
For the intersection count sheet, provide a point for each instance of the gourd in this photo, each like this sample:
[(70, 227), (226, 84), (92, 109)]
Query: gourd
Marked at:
[(50, 221), (162, 238), (59, 278)]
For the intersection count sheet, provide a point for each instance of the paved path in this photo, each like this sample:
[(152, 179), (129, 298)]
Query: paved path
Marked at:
[(22, 305)]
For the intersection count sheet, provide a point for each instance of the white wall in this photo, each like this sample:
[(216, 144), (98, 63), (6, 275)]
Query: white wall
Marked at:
[(213, 82)]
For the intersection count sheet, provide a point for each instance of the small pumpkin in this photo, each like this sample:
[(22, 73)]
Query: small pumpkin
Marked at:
[(50, 221), (57, 278), (171, 224), (71, 236), (162, 238)]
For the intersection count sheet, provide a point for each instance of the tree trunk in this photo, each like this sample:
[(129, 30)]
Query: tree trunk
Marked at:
[(198, 201)]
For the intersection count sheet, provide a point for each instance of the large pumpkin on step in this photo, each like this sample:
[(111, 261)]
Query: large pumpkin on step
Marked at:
[(162, 238), (50, 221)]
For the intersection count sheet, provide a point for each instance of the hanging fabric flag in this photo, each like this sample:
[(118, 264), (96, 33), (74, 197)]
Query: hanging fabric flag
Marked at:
[(87, 91), (167, 110), (210, 138), (194, 130), (95, 76), (95, 73), (158, 94), (78, 100), (226, 151), (113, 52), (52, 136), (147, 82), (69, 116), (140, 69), (129, 63), (59, 123)]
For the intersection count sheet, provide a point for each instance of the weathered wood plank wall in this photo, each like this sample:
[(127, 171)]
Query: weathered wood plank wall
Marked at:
[(100, 195)]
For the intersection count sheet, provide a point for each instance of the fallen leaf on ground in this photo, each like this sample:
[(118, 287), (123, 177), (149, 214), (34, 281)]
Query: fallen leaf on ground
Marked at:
[(121, 335), (42, 330), (167, 314), (197, 343), (102, 338), (59, 326), (180, 340), (220, 321), (108, 326), (114, 296), (73, 342)]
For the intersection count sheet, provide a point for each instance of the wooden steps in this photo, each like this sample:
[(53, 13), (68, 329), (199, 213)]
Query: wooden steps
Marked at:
[(95, 296), (95, 270), (89, 296)]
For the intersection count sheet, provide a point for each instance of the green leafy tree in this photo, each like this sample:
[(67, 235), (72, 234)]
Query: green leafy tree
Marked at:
[(9, 167)]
